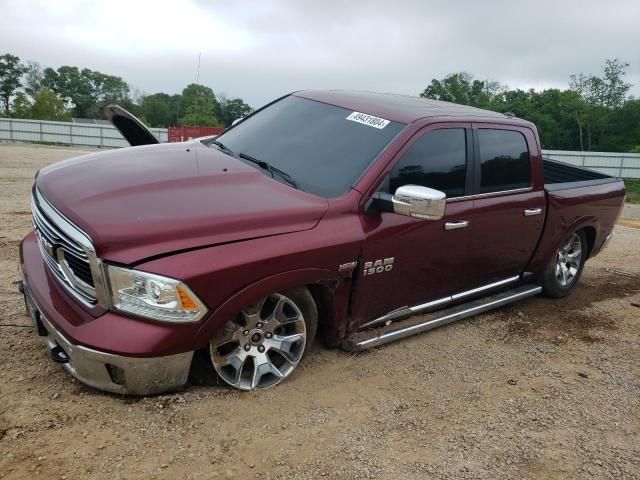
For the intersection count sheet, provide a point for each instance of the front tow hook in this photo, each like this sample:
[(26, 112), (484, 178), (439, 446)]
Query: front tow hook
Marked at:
[(58, 355)]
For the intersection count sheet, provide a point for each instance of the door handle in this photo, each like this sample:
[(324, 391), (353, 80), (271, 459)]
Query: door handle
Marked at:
[(530, 212), (456, 225)]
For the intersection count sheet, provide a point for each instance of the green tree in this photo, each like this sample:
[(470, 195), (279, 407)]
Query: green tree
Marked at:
[(199, 104), (455, 87), (624, 129), (86, 91), (595, 113), (109, 88), (193, 91), (21, 106), (47, 106), (200, 112), (33, 78), (74, 87), (49, 78), (11, 71), (461, 88), (159, 109), (601, 97), (229, 110), (132, 106), (551, 110)]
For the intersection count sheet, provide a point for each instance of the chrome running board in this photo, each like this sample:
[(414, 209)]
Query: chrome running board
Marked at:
[(423, 307), (419, 324)]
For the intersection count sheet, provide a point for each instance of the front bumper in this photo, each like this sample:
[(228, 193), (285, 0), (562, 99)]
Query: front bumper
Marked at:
[(102, 349), (106, 371)]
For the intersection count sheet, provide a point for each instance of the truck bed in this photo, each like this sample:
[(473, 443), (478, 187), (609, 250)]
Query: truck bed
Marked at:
[(560, 176), (576, 196)]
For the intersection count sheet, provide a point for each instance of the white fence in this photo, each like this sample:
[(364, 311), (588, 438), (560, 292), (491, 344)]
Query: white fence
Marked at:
[(67, 133), (625, 165)]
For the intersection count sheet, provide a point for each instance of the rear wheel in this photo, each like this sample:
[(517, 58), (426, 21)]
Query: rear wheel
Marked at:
[(265, 342), (565, 268)]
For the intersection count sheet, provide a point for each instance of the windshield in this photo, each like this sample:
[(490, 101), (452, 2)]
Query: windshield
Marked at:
[(317, 146)]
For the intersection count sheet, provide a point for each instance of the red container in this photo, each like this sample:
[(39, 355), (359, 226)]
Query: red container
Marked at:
[(185, 132)]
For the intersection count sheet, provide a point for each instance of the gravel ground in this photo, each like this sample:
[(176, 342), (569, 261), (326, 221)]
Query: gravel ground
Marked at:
[(542, 389)]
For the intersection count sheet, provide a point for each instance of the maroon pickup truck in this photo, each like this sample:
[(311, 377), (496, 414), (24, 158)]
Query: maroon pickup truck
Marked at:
[(360, 218)]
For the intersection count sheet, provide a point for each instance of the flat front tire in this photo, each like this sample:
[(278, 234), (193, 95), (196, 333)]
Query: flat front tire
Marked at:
[(564, 269), (265, 342)]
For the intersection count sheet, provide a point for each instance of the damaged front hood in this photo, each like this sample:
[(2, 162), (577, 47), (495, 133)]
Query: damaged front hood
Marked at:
[(143, 202)]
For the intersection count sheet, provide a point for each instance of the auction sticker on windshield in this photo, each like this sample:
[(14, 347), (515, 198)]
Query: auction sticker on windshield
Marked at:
[(370, 120)]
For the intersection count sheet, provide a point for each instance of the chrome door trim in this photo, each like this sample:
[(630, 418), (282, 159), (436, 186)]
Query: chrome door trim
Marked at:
[(411, 310), (456, 225), (490, 194), (530, 212), (485, 287), (433, 303)]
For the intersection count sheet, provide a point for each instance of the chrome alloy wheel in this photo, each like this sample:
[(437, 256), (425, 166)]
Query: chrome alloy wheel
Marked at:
[(568, 260), (262, 345)]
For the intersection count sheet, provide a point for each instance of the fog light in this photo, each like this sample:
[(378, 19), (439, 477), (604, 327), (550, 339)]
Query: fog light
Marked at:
[(116, 374)]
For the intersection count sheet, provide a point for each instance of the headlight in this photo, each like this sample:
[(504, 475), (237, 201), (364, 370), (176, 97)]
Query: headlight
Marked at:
[(153, 296)]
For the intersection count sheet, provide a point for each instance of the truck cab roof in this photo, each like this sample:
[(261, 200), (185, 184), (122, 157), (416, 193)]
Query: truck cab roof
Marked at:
[(404, 108)]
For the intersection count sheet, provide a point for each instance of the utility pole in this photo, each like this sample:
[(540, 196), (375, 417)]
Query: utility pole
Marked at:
[(195, 109)]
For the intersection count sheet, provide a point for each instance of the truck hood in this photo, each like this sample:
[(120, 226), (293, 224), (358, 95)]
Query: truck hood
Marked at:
[(132, 129), (142, 202)]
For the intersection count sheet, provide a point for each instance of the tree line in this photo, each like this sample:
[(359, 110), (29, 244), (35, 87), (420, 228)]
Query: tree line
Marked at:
[(595, 112), (29, 91)]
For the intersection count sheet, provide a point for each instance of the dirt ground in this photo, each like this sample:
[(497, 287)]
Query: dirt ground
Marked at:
[(542, 389)]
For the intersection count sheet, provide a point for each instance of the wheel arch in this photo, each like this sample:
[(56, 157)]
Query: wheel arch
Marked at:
[(331, 317), (553, 238), (591, 233), (330, 291)]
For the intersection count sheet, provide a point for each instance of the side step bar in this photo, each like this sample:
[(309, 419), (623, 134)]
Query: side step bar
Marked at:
[(413, 326)]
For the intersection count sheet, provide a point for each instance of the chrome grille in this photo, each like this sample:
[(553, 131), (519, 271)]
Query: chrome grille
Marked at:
[(67, 251)]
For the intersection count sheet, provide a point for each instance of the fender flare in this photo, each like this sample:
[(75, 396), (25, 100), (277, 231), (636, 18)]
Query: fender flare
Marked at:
[(579, 224), (543, 255), (274, 283)]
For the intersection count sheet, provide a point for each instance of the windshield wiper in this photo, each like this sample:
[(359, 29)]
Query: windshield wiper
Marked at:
[(261, 163), (223, 147), (270, 168)]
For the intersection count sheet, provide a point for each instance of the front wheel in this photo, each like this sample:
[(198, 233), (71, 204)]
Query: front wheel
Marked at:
[(565, 268), (265, 342)]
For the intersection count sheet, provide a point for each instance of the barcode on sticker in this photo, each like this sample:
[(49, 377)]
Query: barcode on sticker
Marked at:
[(370, 120)]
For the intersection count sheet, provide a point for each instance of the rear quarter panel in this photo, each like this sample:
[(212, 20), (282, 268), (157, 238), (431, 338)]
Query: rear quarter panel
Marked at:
[(571, 209)]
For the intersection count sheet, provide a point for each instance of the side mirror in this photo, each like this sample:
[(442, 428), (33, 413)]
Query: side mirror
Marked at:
[(419, 202)]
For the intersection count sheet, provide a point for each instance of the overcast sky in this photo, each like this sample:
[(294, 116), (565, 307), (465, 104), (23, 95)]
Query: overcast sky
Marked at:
[(261, 50)]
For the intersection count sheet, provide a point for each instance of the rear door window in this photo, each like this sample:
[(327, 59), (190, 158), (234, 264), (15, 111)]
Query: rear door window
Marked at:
[(437, 160), (504, 160)]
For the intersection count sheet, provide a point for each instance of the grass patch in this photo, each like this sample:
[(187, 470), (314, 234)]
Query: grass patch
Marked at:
[(633, 190)]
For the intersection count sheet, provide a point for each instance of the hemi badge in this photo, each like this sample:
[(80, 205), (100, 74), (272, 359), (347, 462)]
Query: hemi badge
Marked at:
[(347, 267)]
